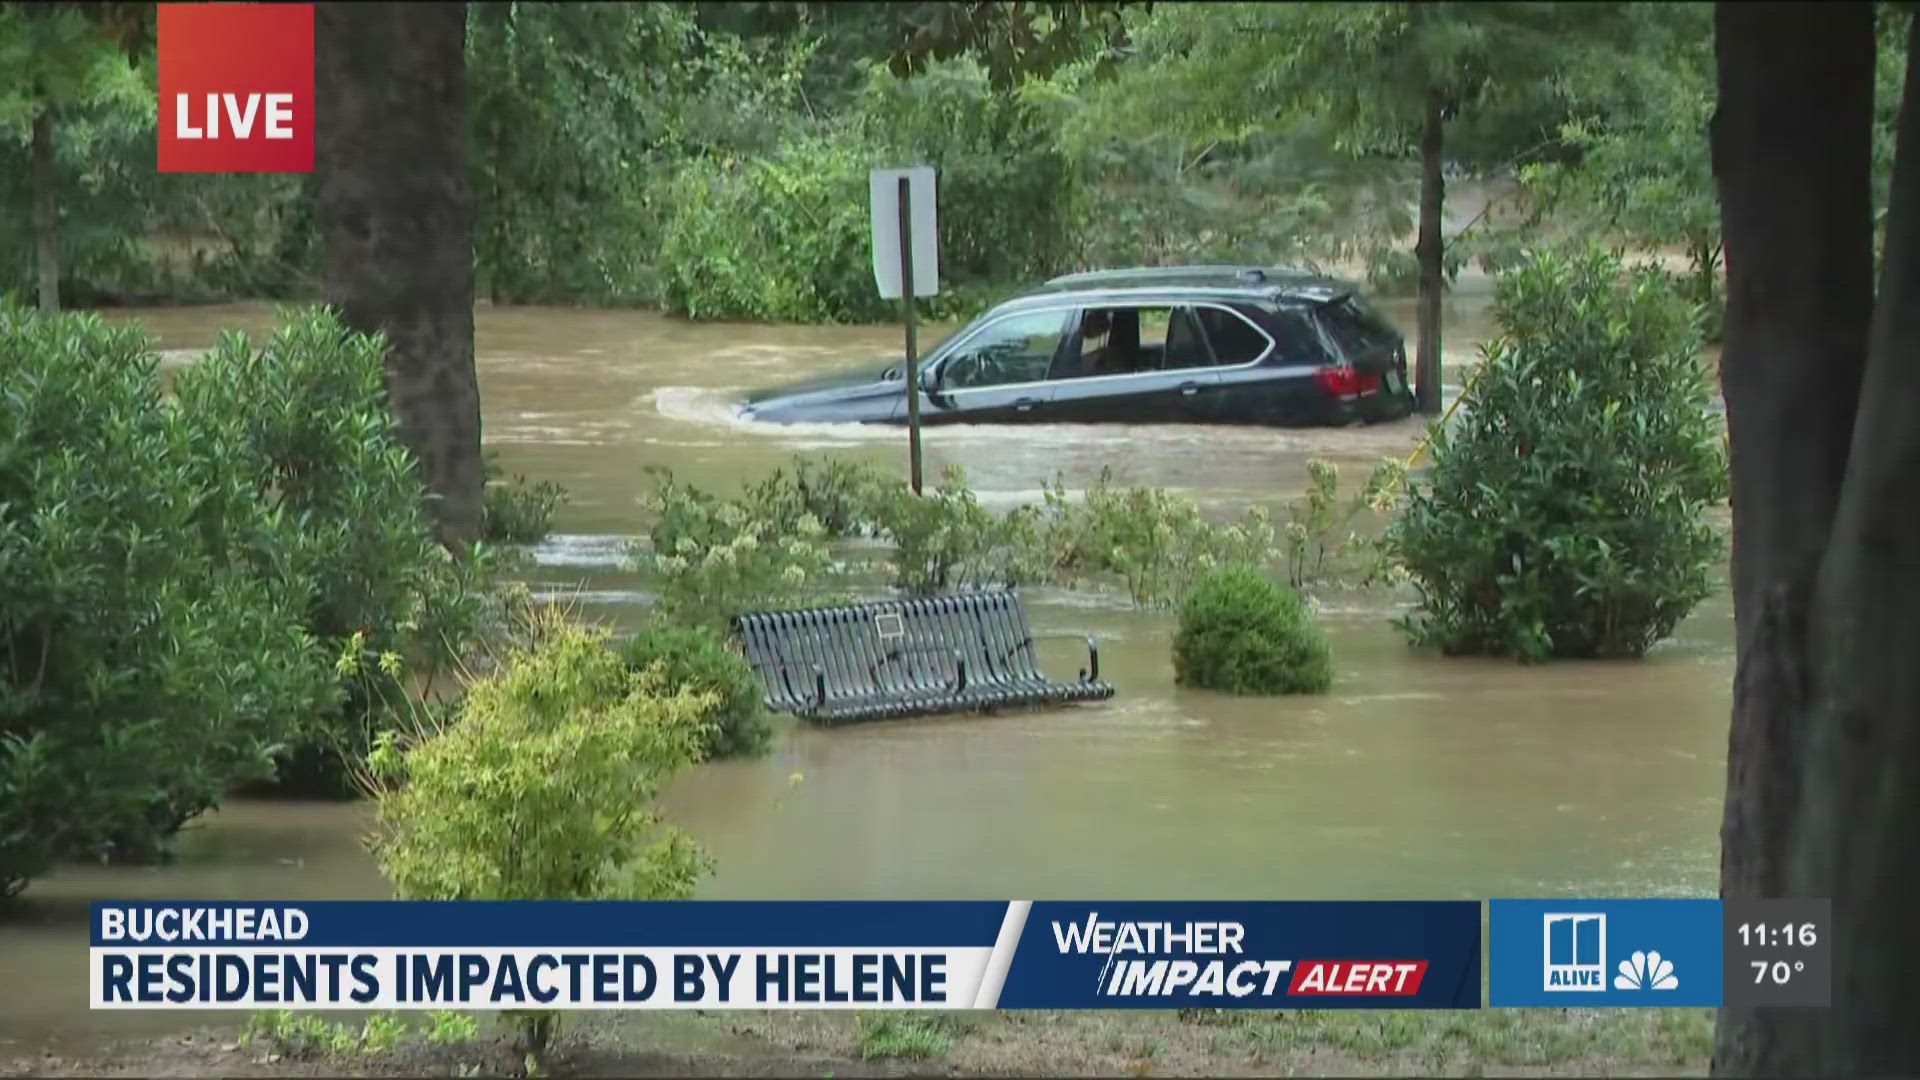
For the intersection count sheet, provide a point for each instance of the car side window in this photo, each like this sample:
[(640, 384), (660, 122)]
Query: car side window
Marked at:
[(1016, 349), (1234, 340), (1129, 340), (1295, 339)]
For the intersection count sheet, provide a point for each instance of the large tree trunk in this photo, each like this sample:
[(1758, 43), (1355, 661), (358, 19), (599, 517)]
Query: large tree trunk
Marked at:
[(1791, 152), (46, 214), (1858, 838), (1428, 250), (396, 218)]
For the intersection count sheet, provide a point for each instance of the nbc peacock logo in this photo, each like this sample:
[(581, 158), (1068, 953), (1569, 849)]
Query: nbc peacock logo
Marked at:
[(1646, 971)]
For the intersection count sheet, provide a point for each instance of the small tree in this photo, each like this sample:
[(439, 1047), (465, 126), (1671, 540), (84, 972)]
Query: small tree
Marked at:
[(542, 788), (1245, 633), (1565, 516)]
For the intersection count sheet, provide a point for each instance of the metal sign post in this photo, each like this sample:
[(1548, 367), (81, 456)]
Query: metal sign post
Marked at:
[(906, 266), (913, 359)]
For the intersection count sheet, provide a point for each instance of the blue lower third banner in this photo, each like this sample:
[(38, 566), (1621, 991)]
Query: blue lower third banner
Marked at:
[(1604, 953), (785, 954)]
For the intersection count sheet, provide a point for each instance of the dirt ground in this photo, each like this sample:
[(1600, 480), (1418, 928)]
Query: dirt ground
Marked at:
[(1531, 1042)]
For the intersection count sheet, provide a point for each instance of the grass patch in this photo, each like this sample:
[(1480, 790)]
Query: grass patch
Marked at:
[(1465, 1041), (918, 1036)]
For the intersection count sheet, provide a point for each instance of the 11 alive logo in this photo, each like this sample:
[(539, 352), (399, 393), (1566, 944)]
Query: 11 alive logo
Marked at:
[(236, 88)]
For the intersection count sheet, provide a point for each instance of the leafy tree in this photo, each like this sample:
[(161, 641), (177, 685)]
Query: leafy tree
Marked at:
[(1384, 84), (58, 60), (1823, 763), (1014, 41)]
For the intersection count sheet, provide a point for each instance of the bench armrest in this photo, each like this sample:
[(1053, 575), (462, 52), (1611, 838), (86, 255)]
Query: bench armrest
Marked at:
[(1090, 673)]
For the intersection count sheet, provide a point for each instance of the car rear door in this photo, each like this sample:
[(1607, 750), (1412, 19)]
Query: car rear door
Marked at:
[(1265, 368)]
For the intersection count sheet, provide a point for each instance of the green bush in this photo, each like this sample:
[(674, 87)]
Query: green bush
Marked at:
[(152, 652), (785, 236), (542, 787), (712, 558), (1158, 544), (697, 658), (313, 438), (1245, 633), (1565, 513), (518, 511), (944, 539)]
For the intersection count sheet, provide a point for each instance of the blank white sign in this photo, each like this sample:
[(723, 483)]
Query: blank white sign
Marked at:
[(885, 193)]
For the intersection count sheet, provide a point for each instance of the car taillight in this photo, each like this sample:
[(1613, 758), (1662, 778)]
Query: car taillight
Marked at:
[(1343, 381)]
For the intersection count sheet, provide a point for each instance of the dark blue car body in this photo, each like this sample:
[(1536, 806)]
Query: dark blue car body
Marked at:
[(1199, 345)]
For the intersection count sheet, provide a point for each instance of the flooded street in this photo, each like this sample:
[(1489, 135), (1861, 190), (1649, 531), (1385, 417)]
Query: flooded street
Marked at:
[(1415, 777)]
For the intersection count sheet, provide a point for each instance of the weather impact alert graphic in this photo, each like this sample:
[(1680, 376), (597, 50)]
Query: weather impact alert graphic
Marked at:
[(1608, 953)]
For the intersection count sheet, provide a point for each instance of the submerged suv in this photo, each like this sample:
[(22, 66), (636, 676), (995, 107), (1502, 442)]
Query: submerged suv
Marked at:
[(1197, 345)]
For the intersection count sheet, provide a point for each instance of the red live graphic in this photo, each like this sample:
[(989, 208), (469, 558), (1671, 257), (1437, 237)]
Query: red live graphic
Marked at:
[(236, 88), (1360, 978)]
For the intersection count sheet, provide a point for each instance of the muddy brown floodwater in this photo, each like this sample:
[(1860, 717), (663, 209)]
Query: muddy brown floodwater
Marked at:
[(1415, 777)]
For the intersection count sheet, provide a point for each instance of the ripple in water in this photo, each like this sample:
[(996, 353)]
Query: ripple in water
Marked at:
[(573, 550)]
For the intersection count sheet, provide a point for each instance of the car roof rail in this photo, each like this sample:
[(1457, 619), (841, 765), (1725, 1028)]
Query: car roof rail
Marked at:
[(1161, 272)]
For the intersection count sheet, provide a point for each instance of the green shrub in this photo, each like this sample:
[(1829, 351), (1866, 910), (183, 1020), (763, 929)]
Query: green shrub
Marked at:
[(885, 1036), (785, 236), (944, 539), (307, 417), (1322, 537), (1564, 515), (697, 658), (1156, 543), (518, 511), (843, 496), (1245, 633), (542, 787), (152, 652), (711, 558)]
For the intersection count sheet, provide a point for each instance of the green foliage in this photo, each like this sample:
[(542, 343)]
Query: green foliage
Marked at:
[(151, 646), (698, 659), (302, 1036), (542, 788), (518, 511), (1245, 633), (1320, 532), (1156, 543), (944, 539), (306, 415), (785, 235), (1639, 165), (1564, 515), (711, 558), (910, 1036)]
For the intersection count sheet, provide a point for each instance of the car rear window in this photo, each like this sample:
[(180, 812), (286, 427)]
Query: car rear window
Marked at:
[(1295, 338), (1357, 328), (1234, 339)]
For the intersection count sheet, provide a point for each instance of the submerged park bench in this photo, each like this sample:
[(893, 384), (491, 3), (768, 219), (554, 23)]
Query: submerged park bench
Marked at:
[(890, 659)]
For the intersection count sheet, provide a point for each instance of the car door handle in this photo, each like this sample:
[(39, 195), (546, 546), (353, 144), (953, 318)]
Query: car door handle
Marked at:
[(1188, 389), (1025, 404)]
